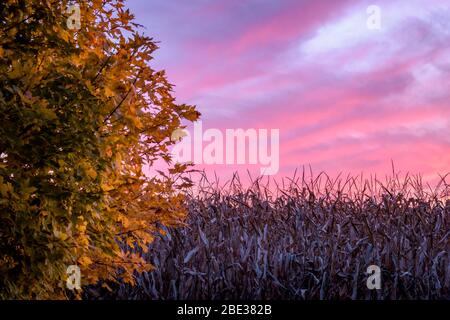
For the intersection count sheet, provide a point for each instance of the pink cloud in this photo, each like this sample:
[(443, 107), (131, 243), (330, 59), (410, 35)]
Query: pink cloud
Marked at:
[(344, 98)]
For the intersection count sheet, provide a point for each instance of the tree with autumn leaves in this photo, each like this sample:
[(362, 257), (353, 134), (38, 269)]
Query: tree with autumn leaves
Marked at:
[(82, 113)]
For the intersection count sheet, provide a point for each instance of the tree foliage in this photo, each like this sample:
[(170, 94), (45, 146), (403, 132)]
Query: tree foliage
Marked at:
[(82, 113)]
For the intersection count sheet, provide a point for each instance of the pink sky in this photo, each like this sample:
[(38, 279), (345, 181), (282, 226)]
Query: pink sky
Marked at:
[(345, 98)]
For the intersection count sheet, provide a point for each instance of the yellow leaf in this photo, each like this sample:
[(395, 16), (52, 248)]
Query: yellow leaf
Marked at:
[(12, 32), (108, 92), (137, 122), (85, 261), (91, 173), (60, 235), (191, 115), (64, 35), (81, 227), (106, 187), (108, 151), (16, 70), (83, 241), (124, 220)]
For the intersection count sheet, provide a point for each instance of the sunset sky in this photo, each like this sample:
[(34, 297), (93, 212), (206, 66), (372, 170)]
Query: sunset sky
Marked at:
[(345, 97)]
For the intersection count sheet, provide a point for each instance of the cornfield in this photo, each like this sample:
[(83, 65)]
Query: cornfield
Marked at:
[(308, 238)]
